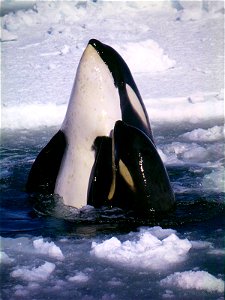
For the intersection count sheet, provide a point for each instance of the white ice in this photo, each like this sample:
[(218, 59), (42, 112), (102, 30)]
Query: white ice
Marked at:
[(215, 180), (4, 258), (62, 30), (40, 273), (48, 248), (177, 60), (148, 252), (151, 58), (79, 277), (212, 134), (198, 280)]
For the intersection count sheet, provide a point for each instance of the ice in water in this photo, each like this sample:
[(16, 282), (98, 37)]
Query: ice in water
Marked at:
[(176, 55)]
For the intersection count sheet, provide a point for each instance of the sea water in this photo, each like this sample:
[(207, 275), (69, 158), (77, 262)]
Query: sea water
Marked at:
[(50, 251)]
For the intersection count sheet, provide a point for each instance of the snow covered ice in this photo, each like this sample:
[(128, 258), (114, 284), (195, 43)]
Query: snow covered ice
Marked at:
[(148, 252), (140, 256), (48, 248), (199, 280), (35, 274), (175, 51)]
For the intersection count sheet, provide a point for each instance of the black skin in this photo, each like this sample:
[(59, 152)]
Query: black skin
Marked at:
[(133, 145), (122, 76), (152, 190), (44, 171), (101, 176)]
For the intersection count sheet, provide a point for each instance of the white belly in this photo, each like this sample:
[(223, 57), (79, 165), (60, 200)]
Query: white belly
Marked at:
[(93, 109)]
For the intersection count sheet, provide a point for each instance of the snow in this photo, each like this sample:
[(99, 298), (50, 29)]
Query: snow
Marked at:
[(151, 250), (201, 244), (148, 252), (56, 47), (205, 135), (32, 115), (175, 53), (217, 252), (36, 246), (48, 248), (79, 277), (179, 110), (198, 280), (4, 258), (40, 273), (7, 36), (151, 57), (215, 180), (195, 10), (179, 153)]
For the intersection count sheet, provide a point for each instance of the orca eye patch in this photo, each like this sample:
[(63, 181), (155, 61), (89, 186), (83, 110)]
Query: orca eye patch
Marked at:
[(135, 102), (125, 173)]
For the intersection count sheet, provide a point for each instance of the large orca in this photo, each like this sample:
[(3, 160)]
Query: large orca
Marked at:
[(103, 92), (80, 162)]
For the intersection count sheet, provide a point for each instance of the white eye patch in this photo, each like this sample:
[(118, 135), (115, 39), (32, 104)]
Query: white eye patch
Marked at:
[(125, 173), (134, 101), (113, 185)]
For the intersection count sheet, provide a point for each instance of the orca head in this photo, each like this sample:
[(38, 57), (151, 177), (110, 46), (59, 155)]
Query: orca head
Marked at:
[(94, 99), (140, 173), (117, 66), (132, 106)]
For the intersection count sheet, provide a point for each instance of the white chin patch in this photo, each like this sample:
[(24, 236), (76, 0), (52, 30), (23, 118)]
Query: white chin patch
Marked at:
[(93, 109)]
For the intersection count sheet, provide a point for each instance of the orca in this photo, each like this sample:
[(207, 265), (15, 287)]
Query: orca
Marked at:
[(72, 164), (132, 107), (141, 183)]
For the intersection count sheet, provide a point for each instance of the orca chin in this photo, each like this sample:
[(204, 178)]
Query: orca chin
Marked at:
[(104, 153)]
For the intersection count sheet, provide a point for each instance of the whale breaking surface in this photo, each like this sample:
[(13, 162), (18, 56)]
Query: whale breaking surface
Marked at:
[(177, 61), (104, 153)]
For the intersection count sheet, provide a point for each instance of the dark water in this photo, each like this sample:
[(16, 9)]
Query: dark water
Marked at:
[(21, 214), (199, 215)]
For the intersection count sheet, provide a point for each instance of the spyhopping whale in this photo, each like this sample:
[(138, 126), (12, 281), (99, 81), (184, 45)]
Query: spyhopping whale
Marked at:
[(104, 153)]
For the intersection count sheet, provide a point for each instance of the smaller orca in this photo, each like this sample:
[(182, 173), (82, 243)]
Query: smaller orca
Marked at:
[(140, 181)]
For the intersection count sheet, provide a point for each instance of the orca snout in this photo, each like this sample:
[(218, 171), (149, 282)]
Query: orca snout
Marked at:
[(95, 43)]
